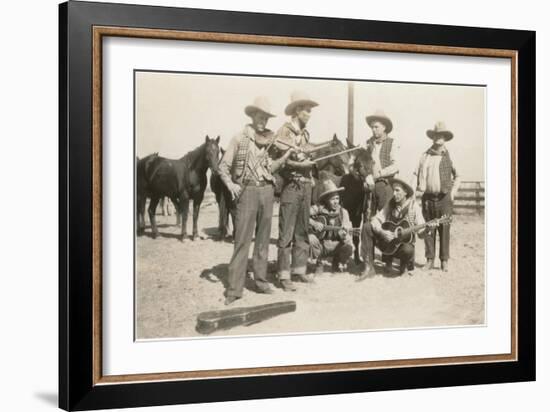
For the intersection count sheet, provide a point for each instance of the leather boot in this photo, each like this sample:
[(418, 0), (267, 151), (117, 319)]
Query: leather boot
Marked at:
[(368, 272), (429, 265), (287, 285)]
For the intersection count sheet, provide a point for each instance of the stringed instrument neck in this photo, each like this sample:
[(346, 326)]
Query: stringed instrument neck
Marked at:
[(416, 228)]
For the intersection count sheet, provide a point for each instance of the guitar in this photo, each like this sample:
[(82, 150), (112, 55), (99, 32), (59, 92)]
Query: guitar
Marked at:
[(404, 233), (321, 234)]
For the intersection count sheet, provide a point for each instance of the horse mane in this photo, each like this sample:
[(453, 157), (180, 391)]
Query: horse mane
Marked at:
[(191, 157)]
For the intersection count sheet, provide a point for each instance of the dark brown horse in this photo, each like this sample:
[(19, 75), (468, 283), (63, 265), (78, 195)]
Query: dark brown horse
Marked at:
[(226, 204), (181, 180), (355, 197), (337, 165)]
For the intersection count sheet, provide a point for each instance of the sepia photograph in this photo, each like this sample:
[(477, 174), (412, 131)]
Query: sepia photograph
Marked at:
[(259, 205), (280, 205)]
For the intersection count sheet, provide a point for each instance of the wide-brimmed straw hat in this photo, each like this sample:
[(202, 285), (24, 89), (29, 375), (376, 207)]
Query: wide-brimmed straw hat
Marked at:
[(299, 98), (329, 187), (381, 117), (440, 130), (408, 189), (261, 104)]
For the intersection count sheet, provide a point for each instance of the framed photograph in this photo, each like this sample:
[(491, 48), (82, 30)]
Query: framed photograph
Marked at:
[(256, 206)]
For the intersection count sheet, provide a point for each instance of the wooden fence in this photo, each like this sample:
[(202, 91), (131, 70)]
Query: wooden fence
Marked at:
[(469, 199)]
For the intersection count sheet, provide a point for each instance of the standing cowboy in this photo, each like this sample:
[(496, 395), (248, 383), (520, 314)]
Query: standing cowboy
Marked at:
[(293, 243), (246, 170), (438, 182), (335, 242), (383, 150), (400, 206)]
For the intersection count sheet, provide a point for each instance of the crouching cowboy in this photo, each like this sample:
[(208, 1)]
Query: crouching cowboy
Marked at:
[(402, 206), (330, 229), (246, 169)]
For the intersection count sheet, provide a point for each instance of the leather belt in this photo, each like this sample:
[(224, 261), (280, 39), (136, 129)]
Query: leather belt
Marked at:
[(257, 183)]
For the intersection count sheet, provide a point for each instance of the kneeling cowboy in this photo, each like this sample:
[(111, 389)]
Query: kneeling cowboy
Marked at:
[(401, 206), (337, 241), (246, 169)]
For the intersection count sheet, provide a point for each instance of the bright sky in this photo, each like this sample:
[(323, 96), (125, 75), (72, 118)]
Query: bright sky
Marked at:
[(174, 113)]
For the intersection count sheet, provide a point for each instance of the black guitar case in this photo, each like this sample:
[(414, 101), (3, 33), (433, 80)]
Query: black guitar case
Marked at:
[(208, 322)]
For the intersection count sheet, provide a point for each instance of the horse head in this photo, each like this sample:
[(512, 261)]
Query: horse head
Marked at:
[(363, 162), (212, 152), (337, 164)]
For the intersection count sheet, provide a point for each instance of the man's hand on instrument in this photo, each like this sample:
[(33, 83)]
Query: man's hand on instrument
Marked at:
[(318, 226), (287, 154), (343, 234), (431, 225), (307, 163), (387, 235), (235, 190)]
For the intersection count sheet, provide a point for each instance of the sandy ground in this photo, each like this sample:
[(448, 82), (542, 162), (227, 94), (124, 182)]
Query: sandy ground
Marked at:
[(175, 281)]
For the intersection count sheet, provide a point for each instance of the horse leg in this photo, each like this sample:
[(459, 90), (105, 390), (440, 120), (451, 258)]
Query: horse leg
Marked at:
[(184, 207), (196, 209), (140, 215), (177, 208), (152, 210)]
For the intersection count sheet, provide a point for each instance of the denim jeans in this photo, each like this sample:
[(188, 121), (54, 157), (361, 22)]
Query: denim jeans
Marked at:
[(435, 206), (293, 243), (254, 214)]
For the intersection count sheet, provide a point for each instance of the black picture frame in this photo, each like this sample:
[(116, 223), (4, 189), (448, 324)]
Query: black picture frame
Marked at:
[(78, 389)]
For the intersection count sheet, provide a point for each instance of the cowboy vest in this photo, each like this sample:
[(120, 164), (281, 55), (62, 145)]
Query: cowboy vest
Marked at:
[(446, 173), (241, 158), (248, 157), (385, 150), (289, 132)]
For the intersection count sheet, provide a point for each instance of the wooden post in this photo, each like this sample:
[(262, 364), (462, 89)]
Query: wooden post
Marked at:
[(350, 112)]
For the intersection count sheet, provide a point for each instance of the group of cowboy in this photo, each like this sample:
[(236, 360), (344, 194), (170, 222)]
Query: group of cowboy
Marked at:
[(256, 153)]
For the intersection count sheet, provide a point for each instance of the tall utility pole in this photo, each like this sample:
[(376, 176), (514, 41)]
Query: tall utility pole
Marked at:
[(350, 112)]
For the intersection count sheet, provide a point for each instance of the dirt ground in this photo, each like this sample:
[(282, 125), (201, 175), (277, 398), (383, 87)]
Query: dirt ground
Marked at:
[(175, 281)]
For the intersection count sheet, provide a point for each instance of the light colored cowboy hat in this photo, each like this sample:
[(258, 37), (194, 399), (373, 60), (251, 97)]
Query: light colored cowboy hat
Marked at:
[(329, 187), (440, 130), (261, 104), (380, 116), (408, 189), (299, 99)]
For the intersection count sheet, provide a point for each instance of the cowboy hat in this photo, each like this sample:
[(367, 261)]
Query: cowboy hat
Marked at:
[(408, 189), (261, 104), (299, 99), (329, 187), (381, 117), (440, 130)]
